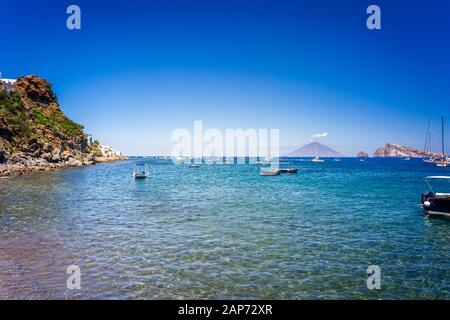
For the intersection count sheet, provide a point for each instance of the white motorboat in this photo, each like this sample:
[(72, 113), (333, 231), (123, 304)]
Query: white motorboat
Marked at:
[(140, 171), (442, 164), (317, 160), (269, 171)]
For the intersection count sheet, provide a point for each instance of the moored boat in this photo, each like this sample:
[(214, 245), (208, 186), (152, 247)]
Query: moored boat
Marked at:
[(317, 160), (269, 171), (288, 170), (195, 164), (140, 171), (436, 203), (287, 167), (442, 163)]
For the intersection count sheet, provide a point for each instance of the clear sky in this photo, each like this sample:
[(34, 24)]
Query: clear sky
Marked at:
[(137, 70)]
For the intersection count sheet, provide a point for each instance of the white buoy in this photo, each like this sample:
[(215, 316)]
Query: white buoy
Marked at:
[(427, 204)]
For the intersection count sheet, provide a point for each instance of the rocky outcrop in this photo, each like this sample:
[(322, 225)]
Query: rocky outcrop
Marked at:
[(362, 154), (35, 134), (391, 150), (32, 88)]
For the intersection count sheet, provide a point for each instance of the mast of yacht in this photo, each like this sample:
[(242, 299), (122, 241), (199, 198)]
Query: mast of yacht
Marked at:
[(427, 146), (443, 149)]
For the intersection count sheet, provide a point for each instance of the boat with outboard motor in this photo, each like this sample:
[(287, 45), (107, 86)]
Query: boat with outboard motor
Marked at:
[(140, 171), (436, 203)]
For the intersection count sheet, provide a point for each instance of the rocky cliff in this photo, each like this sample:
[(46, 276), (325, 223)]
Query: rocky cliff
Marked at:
[(35, 134), (395, 150)]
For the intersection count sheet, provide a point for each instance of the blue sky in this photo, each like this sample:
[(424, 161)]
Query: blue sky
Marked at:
[(137, 70)]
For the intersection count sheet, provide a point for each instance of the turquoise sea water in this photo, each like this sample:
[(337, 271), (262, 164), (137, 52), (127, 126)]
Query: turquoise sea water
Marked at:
[(224, 231)]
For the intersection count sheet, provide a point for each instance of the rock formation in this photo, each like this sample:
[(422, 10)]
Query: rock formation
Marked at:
[(362, 154), (35, 134), (395, 150)]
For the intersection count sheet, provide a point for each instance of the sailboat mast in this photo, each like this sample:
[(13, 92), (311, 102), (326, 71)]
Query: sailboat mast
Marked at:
[(429, 145), (443, 151), (427, 138)]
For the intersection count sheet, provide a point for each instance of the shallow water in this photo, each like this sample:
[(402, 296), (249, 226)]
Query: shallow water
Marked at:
[(223, 231)]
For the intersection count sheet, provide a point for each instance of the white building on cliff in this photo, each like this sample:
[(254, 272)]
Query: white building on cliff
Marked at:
[(7, 84), (109, 152)]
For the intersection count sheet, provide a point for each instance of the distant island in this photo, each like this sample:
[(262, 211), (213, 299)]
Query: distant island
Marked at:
[(314, 149), (390, 150), (35, 135), (362, 154)]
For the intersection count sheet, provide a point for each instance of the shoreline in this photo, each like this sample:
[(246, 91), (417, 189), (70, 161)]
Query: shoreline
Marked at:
[(18, 169)]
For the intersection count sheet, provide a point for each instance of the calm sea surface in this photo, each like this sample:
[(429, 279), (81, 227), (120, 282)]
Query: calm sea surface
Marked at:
[(223, 231)]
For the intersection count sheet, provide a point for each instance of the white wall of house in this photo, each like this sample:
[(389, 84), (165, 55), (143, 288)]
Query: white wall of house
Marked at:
[(7, 84), (8, 81)]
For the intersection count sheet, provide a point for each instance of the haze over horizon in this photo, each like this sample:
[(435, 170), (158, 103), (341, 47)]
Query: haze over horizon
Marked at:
[(138, 70)]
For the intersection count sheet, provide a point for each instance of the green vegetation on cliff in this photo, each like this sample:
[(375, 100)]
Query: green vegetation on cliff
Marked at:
[(32, 123), (18, 123), (13, 116)]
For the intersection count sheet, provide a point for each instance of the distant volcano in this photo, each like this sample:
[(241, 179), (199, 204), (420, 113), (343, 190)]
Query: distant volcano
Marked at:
[(314, 149)]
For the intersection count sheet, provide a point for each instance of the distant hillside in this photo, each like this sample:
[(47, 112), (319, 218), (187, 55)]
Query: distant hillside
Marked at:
[(314, 149), (390, 150)]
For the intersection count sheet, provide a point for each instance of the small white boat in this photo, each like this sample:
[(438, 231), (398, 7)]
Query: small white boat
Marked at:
[(317, 160), (269, 171), (177, 159), (140, 171), (195, 164), (406, 159)]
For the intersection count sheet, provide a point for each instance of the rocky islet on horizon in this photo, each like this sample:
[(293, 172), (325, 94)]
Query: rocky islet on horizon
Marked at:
[(35, 135), (362, 154), (391, 150)]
